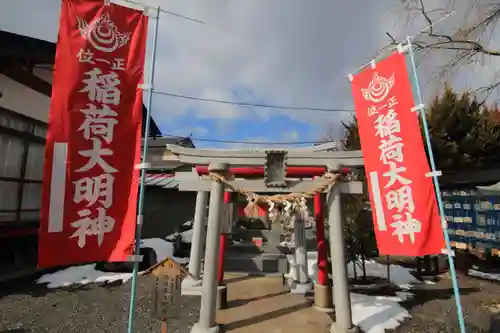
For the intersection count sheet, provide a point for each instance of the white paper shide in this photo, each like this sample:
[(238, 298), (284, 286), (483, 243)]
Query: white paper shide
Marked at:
[(397, 189), (101, 86)]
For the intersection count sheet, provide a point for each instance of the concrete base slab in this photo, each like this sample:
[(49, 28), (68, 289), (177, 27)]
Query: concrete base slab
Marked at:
[(197, 328), (334, 328), (301, 288)]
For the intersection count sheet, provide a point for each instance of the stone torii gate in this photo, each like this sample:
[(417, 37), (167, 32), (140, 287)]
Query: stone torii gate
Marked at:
[(275, 164)]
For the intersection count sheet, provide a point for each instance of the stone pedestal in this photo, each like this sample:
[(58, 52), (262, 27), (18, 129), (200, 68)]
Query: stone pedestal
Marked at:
[(334, 328), (221, 297), (323, 300), (198, 328)]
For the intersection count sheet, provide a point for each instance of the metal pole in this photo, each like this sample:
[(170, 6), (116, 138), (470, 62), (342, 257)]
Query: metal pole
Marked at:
[(198, 235), (456, 289), (206, 322), (341, 294), (140, 208)]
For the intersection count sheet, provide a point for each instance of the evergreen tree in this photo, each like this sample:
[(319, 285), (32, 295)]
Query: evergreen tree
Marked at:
[(464, 132)]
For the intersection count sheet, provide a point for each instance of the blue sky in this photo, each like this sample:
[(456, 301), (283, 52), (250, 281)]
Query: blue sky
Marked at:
[(272, 52), (278, 128), (281, 52), (259, 124)]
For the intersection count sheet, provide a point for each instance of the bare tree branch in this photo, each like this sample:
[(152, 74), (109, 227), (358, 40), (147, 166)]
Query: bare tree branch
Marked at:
[(391, 37), (468, 41)]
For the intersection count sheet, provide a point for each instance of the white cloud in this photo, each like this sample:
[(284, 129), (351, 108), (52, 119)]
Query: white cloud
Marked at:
[(291, 136), (252, 142), (289, 52), (286, 52)]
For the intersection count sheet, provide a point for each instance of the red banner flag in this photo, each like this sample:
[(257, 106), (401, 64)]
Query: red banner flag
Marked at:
[(405, 212), (90, 184)]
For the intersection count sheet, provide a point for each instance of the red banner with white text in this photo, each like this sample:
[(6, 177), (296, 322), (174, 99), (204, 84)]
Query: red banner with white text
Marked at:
[(402, 196), (90, 184)]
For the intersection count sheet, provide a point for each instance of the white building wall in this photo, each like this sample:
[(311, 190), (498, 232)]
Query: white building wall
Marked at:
[(23, 100), (44, 73)]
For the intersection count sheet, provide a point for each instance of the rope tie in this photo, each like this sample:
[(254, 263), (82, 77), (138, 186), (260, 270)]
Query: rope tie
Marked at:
[(329, 179)]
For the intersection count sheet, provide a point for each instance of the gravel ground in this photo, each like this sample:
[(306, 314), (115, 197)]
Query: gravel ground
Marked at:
[(28, 307), (433, 308)]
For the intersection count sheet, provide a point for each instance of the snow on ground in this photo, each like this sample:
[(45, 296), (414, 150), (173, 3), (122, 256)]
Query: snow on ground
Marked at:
[(187, 236), (484, 275), (400, 276), (374, 314), (86, 274)]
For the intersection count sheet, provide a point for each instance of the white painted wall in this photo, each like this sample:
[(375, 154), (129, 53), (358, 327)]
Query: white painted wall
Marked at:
[(44, 73), (21, 99)]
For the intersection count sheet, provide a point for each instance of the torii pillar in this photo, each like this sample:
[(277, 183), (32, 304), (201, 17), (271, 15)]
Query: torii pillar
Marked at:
[(209, 293), (192, 285), (341, 294)]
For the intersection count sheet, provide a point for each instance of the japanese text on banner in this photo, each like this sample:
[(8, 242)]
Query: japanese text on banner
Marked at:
[(103, 92), (397, 190), (94, 138), (402, 197)]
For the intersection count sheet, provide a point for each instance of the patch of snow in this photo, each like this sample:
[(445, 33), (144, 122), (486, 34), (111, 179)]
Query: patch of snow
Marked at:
[(187, 236), (404, 295), (172, 237), (82, 275), (162, 248), (483, 275), (400, 276), (376, 314), (188, 223), (289, 244), (86, 274), (373, 314), (182, 261)]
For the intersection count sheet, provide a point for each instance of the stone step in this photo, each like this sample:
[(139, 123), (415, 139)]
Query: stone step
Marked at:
[(246, 235), (252, 248), (255, 263)]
